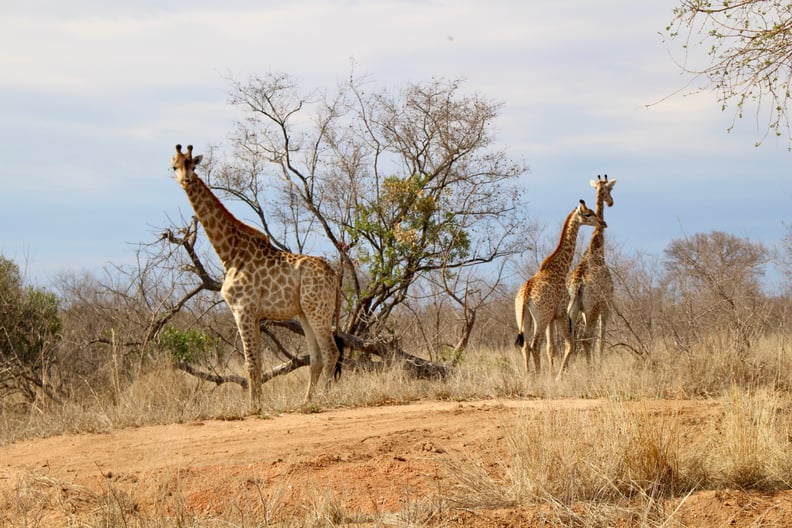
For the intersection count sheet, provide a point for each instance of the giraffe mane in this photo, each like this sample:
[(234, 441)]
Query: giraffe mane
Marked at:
[(564, 231), (242, 226)]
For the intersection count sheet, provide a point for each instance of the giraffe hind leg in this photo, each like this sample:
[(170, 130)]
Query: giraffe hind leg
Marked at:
[(331, 355), (550, 331), (316, 363), (569, 342)]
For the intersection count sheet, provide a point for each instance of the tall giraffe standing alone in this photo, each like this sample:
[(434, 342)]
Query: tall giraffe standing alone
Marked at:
[(541, 302), (590, 285), (262, 282)]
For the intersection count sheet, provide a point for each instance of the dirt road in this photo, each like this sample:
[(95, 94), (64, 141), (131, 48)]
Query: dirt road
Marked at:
[(366, 460)]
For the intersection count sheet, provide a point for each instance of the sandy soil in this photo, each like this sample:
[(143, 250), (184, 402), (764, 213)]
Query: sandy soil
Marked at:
[(367, 461)]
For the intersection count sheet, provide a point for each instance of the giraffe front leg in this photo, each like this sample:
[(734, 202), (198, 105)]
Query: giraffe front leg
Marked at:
[(249, 332), (603, 321)]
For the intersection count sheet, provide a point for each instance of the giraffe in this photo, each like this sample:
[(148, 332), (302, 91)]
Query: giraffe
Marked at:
[(262, 282), (542, 299), (590, 285)]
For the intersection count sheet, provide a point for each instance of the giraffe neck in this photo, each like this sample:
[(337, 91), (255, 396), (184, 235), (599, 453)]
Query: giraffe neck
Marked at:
[(224, 231), (596, 249), (560, 260)]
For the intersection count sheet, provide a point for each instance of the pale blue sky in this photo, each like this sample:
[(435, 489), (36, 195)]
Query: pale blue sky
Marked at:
[(94, 95)]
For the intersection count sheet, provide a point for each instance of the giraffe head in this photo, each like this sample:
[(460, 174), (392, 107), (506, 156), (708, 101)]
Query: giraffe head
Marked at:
[(184, 164), (585, 216), (603, 187)]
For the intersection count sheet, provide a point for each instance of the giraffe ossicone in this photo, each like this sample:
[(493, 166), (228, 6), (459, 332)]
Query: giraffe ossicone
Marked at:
[(263, 282)]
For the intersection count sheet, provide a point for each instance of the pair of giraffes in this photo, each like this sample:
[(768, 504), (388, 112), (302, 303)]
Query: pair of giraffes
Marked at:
[(550, 299)]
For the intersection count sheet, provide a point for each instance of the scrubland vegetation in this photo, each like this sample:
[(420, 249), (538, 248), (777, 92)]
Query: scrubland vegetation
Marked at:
[(431, 255)]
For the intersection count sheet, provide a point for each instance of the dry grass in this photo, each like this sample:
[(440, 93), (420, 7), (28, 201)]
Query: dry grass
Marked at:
[(612, 457), (162, 395), (590, 468)]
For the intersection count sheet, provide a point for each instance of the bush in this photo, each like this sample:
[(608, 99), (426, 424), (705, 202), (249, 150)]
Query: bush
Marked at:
[(29, 329)]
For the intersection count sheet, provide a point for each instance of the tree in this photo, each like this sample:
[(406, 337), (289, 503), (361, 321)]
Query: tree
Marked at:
[(395, 187), (715, 279), (749, 48), (29, 329)]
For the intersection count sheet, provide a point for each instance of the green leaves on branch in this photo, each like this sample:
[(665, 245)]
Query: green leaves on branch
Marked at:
[(185, 345), (747, 45), (407, 229)]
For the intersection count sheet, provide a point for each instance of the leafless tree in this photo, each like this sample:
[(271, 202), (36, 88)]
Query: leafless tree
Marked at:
[(715, 280)]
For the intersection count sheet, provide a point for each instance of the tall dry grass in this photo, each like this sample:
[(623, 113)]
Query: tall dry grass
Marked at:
[(161, 394), (614, 453)]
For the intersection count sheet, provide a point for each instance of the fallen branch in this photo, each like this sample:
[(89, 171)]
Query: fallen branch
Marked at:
[(389, 352), (208, 376)]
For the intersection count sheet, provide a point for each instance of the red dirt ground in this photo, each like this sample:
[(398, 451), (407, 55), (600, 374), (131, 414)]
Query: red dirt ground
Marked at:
[(368, 462)]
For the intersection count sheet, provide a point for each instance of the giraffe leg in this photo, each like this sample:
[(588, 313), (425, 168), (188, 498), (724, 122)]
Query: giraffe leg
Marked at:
[(330, 354), (550, 347), (535, 343), (594, 332), (587, 335), (603, 321), (249, 332), (574, 310), (569, 343), (316, 357), (533, 351), (528, 346), (325, 345)]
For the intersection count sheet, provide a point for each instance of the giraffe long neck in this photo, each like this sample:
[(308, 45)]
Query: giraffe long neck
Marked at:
[(223, 230), (596, 248), (560, 260)]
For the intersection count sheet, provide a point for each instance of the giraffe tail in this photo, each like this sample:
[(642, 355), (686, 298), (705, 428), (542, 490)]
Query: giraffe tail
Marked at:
[(339, 341), (519, 309)]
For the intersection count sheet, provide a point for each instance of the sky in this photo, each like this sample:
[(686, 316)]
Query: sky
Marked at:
[(94, 95)]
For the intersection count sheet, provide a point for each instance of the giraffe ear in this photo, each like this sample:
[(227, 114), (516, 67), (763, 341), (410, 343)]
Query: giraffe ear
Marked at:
[(611, 183), (593, 183), (197, 159)]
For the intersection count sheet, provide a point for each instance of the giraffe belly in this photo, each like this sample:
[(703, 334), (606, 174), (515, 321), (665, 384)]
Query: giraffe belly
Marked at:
[(274, 300)]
